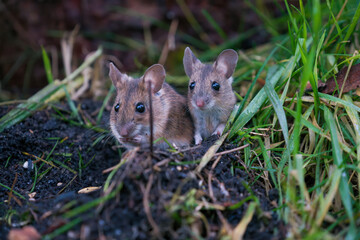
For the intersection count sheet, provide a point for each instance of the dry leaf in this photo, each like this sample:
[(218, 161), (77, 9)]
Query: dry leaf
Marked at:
[(352, 82)]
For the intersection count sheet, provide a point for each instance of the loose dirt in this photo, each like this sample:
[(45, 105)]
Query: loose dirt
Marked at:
[(159, 196)]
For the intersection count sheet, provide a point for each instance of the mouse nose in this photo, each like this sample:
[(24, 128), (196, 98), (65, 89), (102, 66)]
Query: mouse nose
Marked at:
[(200, 102), (126, 130)]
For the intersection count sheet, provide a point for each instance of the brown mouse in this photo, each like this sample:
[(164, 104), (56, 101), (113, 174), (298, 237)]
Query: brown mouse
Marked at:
[(210, 95), (129, 117)]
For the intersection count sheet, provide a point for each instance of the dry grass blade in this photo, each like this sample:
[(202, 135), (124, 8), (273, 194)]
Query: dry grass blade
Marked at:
[(211, 152), (354, 117), (40, 159), (326, 203), (67, 44), (170, 42), (240, 229), (24, 110)]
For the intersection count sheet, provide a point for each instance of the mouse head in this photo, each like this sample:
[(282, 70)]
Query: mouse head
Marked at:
[(129, 118), (210, 84)]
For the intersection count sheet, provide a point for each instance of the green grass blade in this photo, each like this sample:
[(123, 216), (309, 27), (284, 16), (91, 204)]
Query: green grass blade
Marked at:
[(314, 79), (105, 102), (47, 65), (256, 78), (267, 160), (254, 105), (72, 106), (307, 75), (300, 178), (231, 119), (260, 98), (85, 207), (64, 228), (339, 162), (275, 101), (13, 191), (316, 19), (285, 159), (192, 20), (291, 18), (354, 22), (112, 174), (214, 24), (335, 21), (212, 53), (340, 101), (269, 24)]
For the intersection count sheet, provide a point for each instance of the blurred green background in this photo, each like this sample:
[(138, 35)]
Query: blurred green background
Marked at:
[(138, 33)]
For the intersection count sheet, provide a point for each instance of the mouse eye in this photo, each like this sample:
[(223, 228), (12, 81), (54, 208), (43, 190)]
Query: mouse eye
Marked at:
[(215, 86), (192, 85), (140, 107), (117, 107)]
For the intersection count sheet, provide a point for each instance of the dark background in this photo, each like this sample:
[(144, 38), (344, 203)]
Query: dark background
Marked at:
[(133, 31)]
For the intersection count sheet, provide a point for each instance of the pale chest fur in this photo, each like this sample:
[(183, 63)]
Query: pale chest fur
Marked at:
[(207, 121)]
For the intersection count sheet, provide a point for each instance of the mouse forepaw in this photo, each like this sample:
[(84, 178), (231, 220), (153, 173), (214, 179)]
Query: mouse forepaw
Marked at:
[(198, 139), (219, 129)]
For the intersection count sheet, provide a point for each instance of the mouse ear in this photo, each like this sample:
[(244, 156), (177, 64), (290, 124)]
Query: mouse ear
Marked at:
[(226, 62), (189, 61), (156, 75), (115, 75)]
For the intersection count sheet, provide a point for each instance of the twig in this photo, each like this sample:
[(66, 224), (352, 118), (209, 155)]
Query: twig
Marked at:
[(67, 184), (186, 149), (111, 168), (147, 207), (211, 193), (162, 162), (337, 18), (12, 188), (231, 150), (151, 119)]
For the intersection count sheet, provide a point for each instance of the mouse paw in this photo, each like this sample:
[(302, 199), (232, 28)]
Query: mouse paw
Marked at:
[(198, 139), (219, 130)]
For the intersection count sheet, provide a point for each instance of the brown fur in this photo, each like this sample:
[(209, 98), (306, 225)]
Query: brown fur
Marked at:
[(217, 104), (171, 117)]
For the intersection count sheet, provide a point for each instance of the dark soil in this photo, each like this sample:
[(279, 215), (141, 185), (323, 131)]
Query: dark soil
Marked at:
[(181, 204)]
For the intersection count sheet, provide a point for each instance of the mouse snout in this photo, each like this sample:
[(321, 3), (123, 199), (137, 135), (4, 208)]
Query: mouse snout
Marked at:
[(126, 130), (200, 102)]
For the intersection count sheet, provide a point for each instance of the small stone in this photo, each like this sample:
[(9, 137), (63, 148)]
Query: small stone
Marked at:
[(28, 164)]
